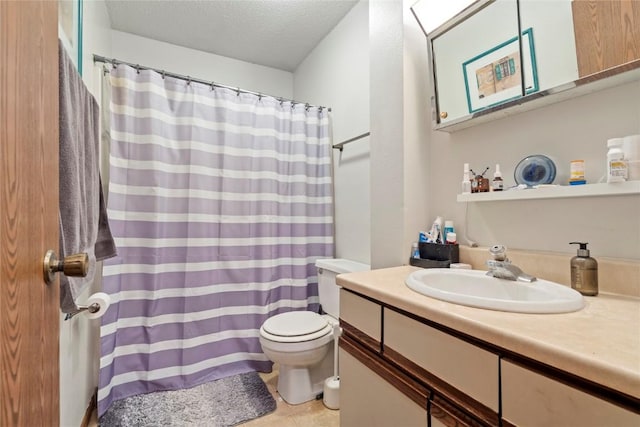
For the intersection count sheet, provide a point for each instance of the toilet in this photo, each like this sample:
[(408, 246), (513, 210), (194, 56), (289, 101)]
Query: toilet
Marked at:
[(301, 342)]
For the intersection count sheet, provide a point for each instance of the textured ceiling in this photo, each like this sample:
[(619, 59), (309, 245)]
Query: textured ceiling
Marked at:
[(274, 33)]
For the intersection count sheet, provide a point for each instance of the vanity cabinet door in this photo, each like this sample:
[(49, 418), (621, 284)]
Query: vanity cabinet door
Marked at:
[(361, 318), (465, 367), (531, 399), (435, 422), (443, 414), (366, 399)]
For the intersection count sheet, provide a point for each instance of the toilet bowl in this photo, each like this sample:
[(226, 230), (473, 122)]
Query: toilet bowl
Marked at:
[(303, 356), (301, 342)]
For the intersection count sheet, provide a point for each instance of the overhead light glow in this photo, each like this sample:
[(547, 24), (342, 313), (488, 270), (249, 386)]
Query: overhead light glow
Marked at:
[(434, 13)]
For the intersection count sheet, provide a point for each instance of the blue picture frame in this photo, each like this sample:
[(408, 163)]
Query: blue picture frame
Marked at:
[(493, 77)]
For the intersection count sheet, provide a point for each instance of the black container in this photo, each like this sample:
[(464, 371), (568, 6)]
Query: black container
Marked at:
[(429, 263), (439, 252)]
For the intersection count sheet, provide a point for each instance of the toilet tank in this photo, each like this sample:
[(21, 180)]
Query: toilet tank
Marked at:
[(328, 290)]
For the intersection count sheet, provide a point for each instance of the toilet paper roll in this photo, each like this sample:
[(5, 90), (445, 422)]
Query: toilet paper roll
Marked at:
[(633, 171), (103, 300), (631, 147)]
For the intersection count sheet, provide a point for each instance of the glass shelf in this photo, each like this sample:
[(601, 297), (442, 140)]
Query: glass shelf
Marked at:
[(564, 191)]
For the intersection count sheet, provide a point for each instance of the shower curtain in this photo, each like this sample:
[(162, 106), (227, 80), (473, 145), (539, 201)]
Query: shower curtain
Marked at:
[(220, 202)]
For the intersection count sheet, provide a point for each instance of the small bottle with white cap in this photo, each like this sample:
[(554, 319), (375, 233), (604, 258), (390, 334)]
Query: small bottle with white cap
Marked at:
[(498, 183)]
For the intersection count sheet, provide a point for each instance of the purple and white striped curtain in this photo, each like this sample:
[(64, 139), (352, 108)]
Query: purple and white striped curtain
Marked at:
[(220, 204)]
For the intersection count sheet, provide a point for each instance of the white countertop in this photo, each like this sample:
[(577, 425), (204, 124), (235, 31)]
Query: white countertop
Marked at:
[(600, 343)]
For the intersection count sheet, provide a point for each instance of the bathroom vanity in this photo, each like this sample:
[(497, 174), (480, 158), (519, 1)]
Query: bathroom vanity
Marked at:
[(410, 360)]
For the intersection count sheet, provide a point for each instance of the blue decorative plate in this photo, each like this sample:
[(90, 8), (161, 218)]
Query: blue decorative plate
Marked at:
[(535, 170)]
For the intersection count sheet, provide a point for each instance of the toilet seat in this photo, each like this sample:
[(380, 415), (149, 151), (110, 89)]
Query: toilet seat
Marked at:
[(295, 326)]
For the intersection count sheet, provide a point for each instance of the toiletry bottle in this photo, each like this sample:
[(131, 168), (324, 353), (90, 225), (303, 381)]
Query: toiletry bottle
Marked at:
[(448, 228), (617, 167), (451, 238), (584, 271), (577, 173), (435, 235), (466, 180), (415, 252), (498, 183)]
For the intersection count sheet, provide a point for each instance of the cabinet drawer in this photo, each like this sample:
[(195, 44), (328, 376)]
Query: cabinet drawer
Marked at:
[(531, 399), (469, 369), (362, 314)]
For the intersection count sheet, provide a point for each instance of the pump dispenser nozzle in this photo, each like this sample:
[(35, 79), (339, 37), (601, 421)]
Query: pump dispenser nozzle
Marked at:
[(583, 251)]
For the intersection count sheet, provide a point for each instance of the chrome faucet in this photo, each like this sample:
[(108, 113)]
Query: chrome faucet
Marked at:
[(501, 268)]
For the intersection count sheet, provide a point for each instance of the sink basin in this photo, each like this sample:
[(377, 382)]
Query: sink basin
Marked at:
[(474, 288)]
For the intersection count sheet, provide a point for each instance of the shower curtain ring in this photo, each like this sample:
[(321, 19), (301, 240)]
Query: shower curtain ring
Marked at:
[(280, 99), (114, 64), (306, 107), (238, 92), (213, 86), (138, 68), (259, 97), (188, 81), (163, 73)]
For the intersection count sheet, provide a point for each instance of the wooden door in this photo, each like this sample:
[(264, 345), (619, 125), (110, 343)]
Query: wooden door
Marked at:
[(29, 310)]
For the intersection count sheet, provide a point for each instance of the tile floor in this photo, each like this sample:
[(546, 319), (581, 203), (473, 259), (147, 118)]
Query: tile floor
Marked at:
[(310, 414)]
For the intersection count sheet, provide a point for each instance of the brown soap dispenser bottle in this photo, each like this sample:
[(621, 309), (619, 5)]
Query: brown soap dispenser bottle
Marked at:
[(584, 271)]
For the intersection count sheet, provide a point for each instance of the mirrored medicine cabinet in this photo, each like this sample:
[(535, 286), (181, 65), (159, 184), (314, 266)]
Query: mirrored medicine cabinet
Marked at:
[(492, 58)]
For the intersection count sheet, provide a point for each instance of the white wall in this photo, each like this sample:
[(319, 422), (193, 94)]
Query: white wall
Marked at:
[(573, 129), (399, 129), (416, 131), (387, 134), (576, 128), (79, 336), (206, 66), (336, 74)]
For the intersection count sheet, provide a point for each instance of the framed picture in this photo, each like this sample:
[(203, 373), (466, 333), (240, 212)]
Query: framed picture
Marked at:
[(70, 29), (494, 76)]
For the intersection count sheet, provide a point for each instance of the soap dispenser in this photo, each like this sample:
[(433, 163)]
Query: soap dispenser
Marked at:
[(584, 271)]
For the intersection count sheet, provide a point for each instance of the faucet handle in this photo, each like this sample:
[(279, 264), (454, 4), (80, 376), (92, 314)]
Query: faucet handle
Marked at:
[(499, 253)]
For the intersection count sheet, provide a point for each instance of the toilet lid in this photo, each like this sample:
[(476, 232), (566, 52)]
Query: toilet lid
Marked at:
[(295, 324)]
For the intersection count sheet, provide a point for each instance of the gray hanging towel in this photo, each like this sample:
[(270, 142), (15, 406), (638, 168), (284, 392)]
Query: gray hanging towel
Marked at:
[(84, 226)]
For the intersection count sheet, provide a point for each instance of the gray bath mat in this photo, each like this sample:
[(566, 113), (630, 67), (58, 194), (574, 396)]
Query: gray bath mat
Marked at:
[(224, 402)]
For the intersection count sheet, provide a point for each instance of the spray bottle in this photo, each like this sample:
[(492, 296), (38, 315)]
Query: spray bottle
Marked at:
[(466, 180)]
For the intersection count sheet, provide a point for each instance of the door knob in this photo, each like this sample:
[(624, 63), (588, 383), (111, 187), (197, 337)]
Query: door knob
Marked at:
[(76, 265)]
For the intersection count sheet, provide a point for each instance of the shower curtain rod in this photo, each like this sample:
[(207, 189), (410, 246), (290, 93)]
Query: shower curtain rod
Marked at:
[(189, 79)]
